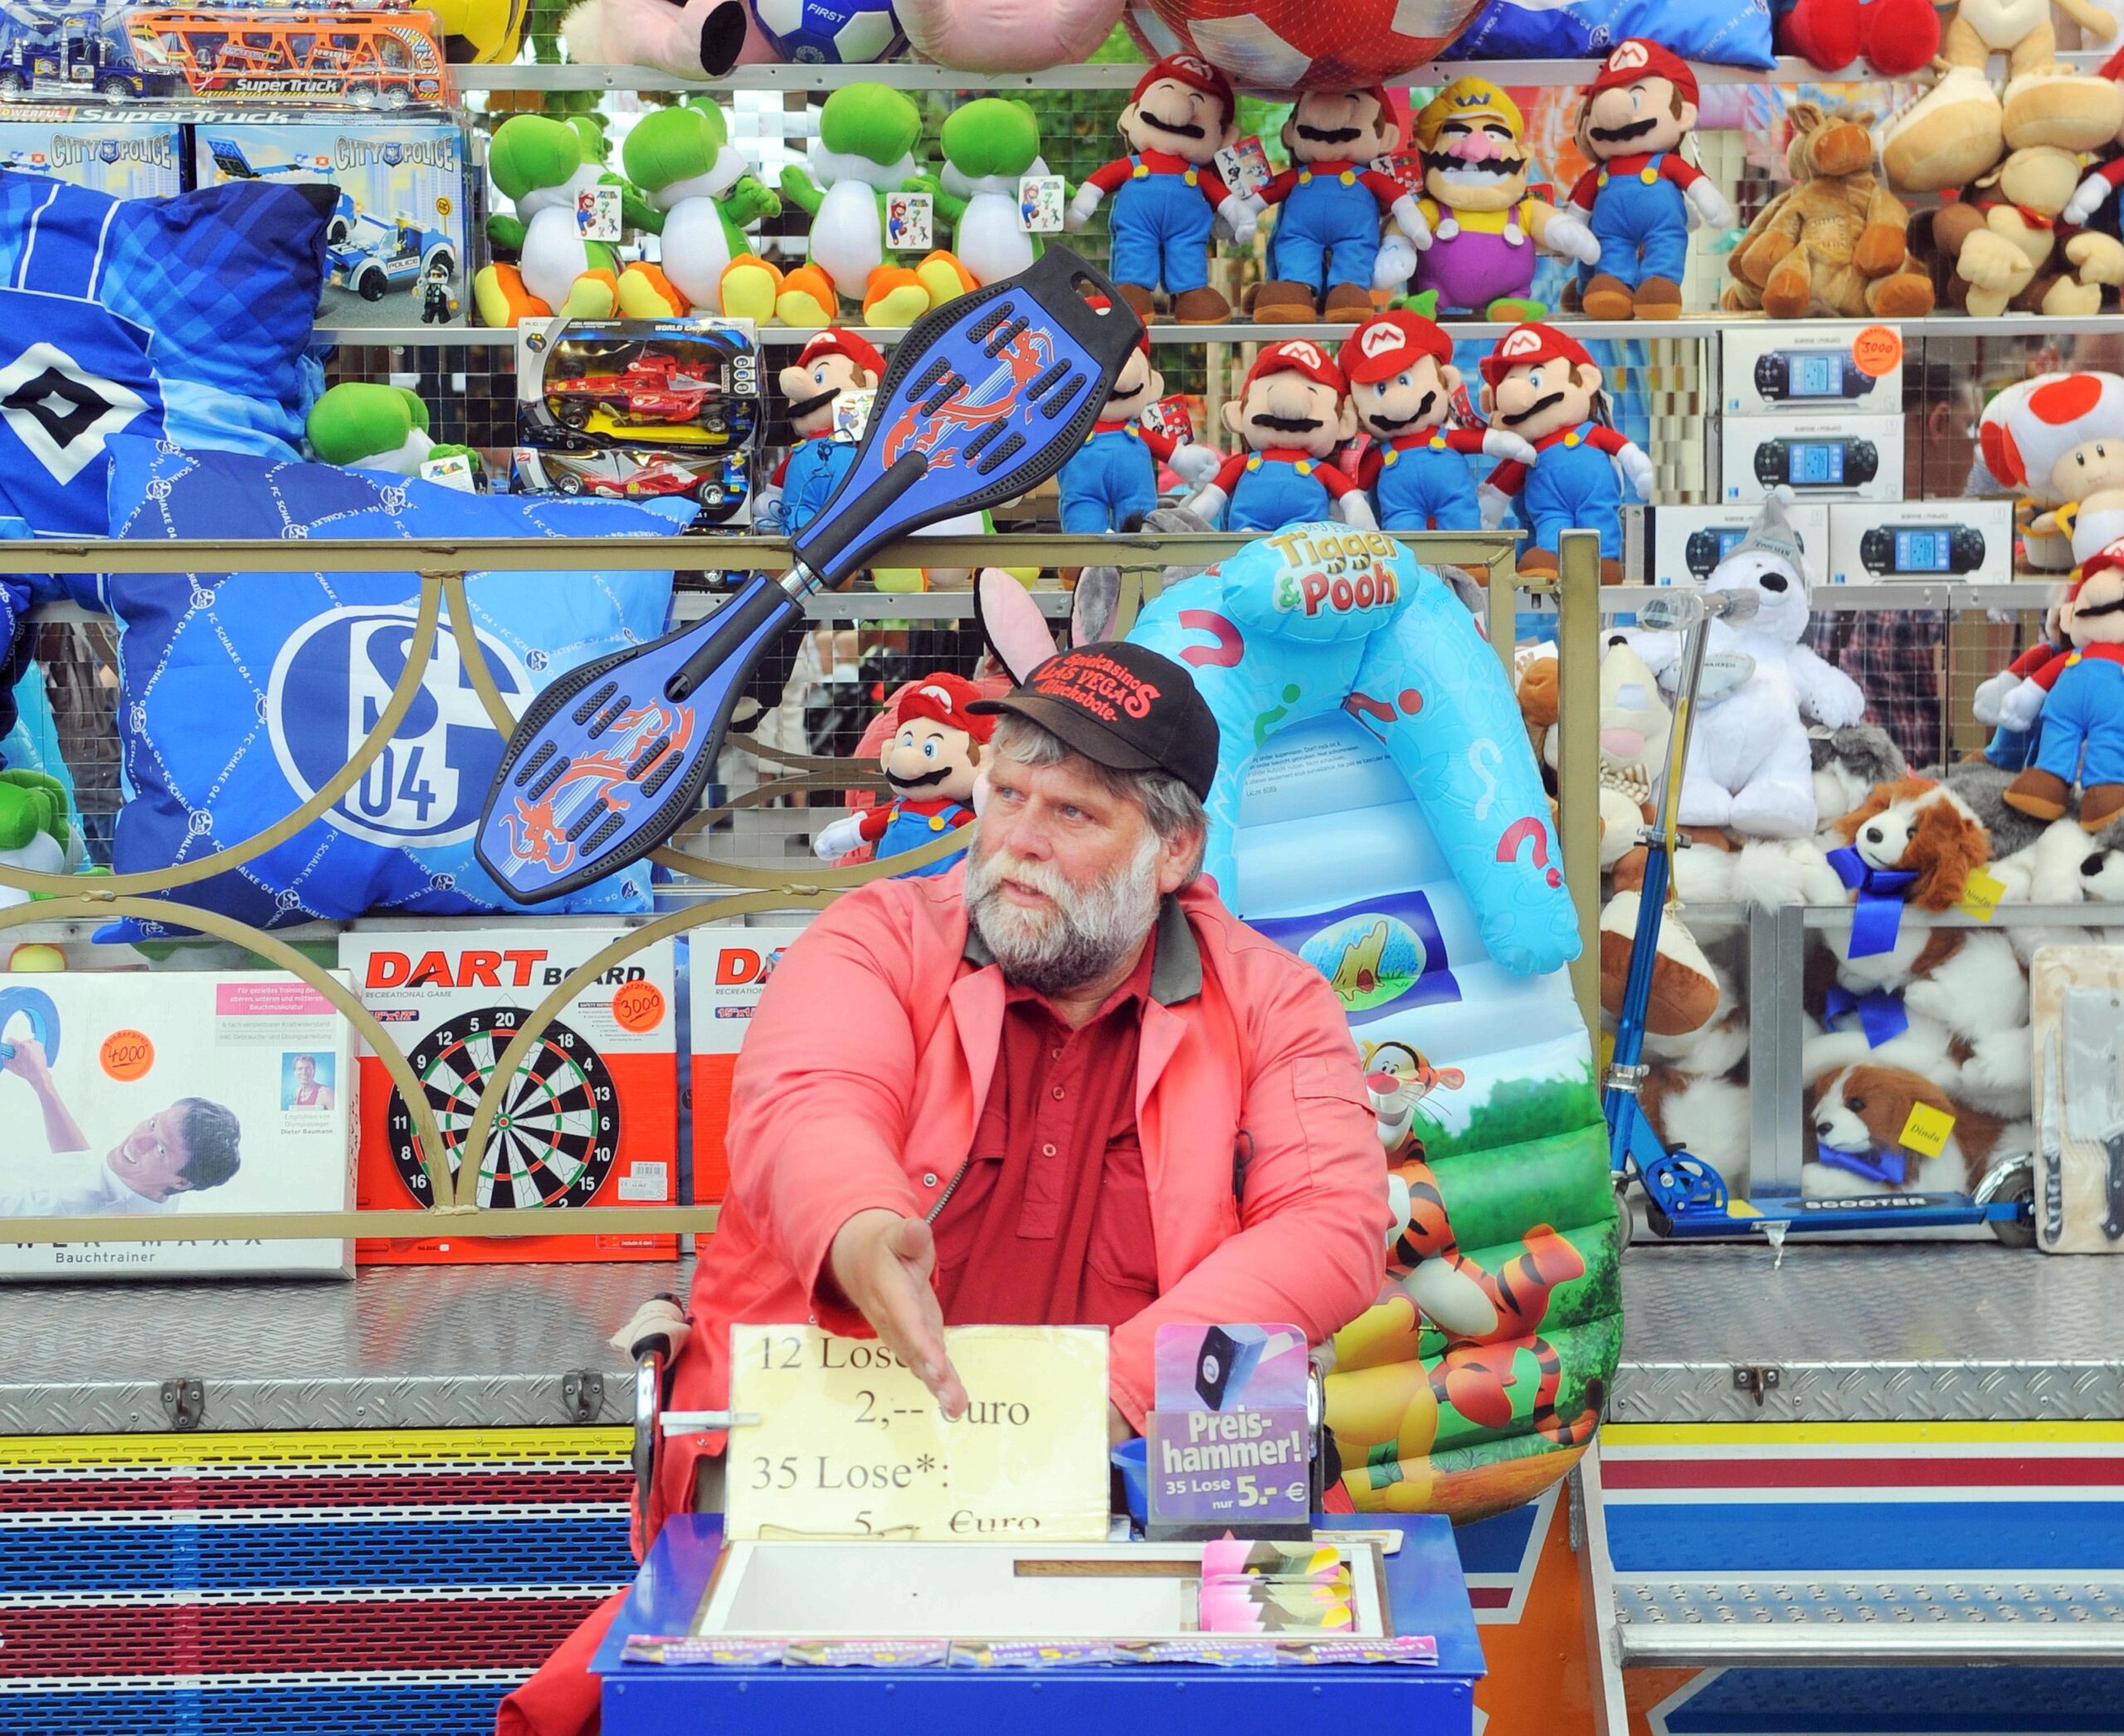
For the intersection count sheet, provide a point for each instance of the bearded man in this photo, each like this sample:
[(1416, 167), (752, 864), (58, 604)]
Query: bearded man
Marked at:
[(1062, 1084)]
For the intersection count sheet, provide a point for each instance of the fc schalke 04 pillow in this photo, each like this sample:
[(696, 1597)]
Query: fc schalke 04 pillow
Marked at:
[(241, 693)]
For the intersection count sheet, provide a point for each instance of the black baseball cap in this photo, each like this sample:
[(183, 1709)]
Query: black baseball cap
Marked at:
[(1123, 706)]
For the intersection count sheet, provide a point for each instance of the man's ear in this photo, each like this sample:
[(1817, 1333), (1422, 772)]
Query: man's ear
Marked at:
[(1177, 856), (183, 1184)]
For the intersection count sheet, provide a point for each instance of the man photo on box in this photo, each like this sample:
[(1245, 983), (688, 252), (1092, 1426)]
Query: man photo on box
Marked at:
[(1061, 1084), (188, 1148)]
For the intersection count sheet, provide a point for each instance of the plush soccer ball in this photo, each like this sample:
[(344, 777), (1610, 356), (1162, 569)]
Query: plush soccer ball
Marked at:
[(830, 33), (1302, 45)]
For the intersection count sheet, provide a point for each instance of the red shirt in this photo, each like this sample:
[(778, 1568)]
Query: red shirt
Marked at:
[(2047, 677), (1050, 1223)]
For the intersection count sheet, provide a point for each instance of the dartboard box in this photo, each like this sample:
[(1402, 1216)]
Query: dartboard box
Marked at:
[(594, 1120), (729, 967), (150, 1082)]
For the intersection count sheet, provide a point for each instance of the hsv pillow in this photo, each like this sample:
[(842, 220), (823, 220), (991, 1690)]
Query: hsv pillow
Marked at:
[(189, 316), (240, 694), (1727, 32)]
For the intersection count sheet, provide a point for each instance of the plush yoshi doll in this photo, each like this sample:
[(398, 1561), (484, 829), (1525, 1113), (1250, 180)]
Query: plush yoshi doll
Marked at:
[(36, 830), (683, 161), (864, 153), (988, 145), (541, 165), (367, 427)]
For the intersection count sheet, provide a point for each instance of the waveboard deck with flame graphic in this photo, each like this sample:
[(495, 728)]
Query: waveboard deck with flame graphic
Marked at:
[(986, 397)]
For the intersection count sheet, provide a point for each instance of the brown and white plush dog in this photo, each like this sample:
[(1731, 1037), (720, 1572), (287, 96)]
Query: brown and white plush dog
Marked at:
[(1859, 1113), (1920, 826)]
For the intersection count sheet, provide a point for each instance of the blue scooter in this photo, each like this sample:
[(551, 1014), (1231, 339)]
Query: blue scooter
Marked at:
[(1685, 1197)]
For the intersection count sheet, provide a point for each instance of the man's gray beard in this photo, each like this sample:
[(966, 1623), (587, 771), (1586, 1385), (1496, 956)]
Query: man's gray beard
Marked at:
[(1086, 935)]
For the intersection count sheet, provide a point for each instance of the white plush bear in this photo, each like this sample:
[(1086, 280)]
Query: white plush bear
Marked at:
[(1749, 764)]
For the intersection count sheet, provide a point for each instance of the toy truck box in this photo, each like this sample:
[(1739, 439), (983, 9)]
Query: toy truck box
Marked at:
[(127, 1094), (127, 158), (729, 967), (592, 1118), (395, 246)]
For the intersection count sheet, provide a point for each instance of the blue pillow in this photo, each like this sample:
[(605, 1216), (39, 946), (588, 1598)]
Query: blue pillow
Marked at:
[(1726, 33), (190, 315), (240, 694)]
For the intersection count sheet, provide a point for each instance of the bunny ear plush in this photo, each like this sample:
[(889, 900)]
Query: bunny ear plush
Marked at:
[(1011, 622), (1093, 607)]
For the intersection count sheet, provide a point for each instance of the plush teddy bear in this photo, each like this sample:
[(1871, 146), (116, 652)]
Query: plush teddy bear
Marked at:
[(1750, 767), (1486, 229), (683, 161), (1641, 197), (1543, 385), (1325, 246), (542, 165), (988, 145), (1167, 197), (2080, 699), (1293, 411), (1835, 243), (931, 761), (864, 153), (1404, 385)]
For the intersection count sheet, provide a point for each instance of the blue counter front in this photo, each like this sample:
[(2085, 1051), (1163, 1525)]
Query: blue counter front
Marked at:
[(1427, 1593)]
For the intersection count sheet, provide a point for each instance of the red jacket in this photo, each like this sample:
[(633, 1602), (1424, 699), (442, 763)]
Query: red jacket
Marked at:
[(864, 1075)]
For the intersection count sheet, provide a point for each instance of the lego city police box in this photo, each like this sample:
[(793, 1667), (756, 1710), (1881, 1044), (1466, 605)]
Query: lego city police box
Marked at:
[(397, 241), (591, 1117)]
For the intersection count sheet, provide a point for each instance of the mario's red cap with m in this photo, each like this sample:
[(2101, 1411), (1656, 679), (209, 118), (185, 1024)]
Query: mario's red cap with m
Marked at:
[(1100, 305), (833, 341), (1391, 343), (1636, 58), (1297, 355), (946, 699), (1195, 73), (1524, 345)]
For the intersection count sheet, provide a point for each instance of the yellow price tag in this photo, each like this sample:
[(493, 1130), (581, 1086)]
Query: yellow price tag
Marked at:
[(1927, 1130), (1981, 896)]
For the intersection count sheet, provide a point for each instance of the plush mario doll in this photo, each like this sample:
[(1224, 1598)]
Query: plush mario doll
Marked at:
[(1641, 196), (2080, 699), (1328, 204), (1112, 482), (834, 362), (1165, 197), (930, 760), (1543, 387), (1293, 411), (1403, 384)]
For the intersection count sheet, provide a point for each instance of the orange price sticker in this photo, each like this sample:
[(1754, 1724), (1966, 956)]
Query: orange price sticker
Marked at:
[(1877, 350), (127, 1054), (639, 1006)]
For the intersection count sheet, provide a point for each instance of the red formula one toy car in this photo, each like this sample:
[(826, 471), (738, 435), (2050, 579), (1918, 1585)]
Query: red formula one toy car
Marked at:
[(652, 388)]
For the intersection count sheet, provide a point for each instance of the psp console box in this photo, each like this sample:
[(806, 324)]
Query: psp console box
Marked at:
[(729, 967), (1689, 541), (1969, 541), (127, 158), (172, 1093), (396, 245), (592, 1119), (1828, 368), (1820, 458), (640, 409)]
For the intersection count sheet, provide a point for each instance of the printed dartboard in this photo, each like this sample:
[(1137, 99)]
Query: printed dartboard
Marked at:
[(558, 1130)]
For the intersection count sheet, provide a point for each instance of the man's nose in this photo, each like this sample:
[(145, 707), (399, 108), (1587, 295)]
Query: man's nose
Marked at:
[(1023, 834)]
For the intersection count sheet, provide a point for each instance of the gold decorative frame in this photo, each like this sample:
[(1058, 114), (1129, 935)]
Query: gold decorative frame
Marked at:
[(442, 567)]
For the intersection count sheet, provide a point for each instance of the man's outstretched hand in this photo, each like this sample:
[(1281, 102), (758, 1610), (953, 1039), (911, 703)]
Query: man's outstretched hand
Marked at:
[(881, 1262)]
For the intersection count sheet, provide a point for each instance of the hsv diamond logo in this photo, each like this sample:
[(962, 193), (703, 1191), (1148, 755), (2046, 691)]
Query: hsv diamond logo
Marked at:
[(62, 411), (428, 784)]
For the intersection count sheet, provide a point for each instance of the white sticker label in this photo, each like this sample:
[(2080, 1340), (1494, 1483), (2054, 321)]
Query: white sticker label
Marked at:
[(1040, 204), (645, 1182), (1242, 166), (910, 222), (597, 213), (453, 471)]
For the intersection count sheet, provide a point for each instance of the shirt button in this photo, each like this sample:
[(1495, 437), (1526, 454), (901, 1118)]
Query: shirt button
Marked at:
[(928, 1177), (1047, 1151), (1054, 1055), (1058, 1094)]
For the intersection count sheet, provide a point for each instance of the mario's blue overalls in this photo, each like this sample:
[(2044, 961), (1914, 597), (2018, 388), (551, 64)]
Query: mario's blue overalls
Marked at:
[(1326, 231), (1111, 477), (1273, 492), (2085, 711), (1160, 227), (1423, 487), (816, 469), (1572, 485), (907, 831), (2014, 750), (1642, 222)]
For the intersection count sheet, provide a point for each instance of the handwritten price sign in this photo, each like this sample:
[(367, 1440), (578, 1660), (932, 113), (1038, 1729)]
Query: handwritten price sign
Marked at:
[(851, 1444)]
